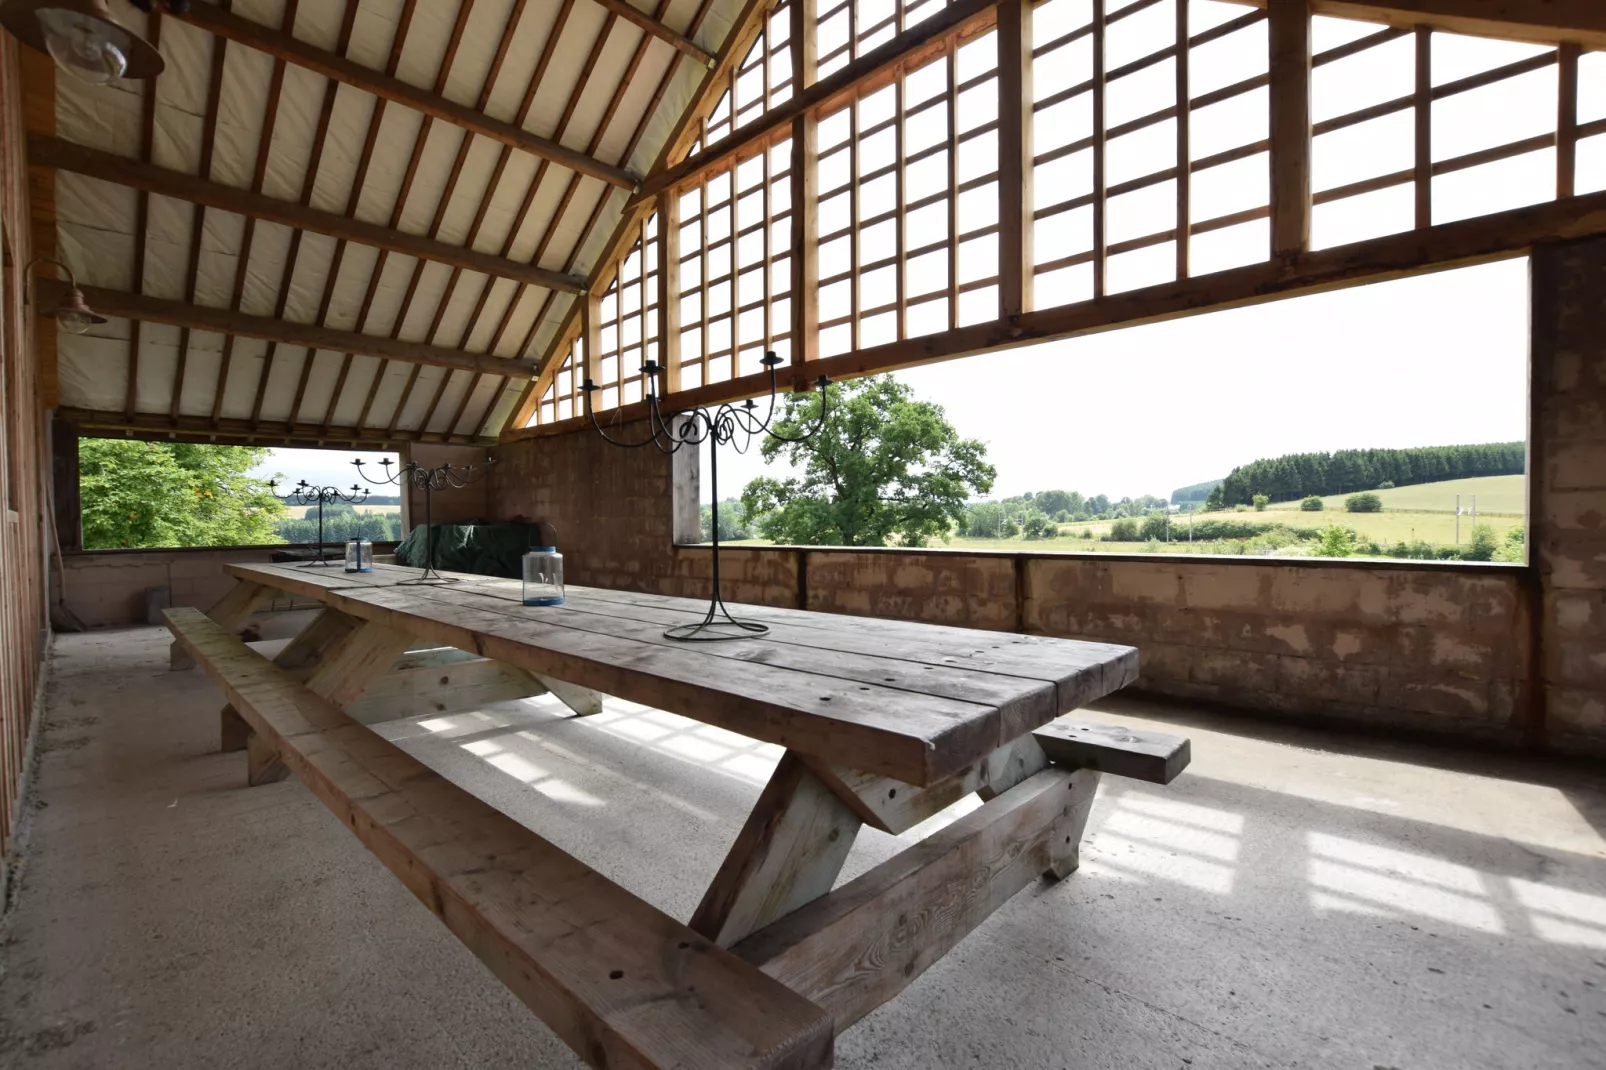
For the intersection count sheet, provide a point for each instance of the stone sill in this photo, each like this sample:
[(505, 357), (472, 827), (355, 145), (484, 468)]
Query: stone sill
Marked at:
[(1500, 568)]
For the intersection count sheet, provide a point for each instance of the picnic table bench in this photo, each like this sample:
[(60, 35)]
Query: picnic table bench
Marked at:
[(885, 723)]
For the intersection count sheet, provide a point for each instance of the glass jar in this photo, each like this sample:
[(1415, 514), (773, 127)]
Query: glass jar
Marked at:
[(543, 576), (359, 555)]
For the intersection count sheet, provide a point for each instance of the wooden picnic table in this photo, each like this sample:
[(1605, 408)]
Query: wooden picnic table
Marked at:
[(884, 723)]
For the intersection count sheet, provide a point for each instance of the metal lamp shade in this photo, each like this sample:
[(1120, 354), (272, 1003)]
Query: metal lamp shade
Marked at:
[(22, 19)]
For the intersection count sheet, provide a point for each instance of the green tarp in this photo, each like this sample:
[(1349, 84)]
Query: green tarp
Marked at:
[(483, 549)]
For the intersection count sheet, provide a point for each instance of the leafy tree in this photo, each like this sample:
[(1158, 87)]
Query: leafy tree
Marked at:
[(1512, 549), (885, 467), (1335, 542), (1261, 501), (1387, 484), (1124, 530), (1099, 504), (1037, 526), (173, 494), (1156, 526), (1313, 504), (733, 522), (1483, 544), (1363, 503), (984, 520), (1215, 500)]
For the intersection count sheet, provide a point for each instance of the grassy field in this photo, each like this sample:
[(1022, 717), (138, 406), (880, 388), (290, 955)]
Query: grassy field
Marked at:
[(1423, 513), (1496, 494)]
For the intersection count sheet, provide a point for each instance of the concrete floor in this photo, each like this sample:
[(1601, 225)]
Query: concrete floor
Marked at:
[(1293, 900)]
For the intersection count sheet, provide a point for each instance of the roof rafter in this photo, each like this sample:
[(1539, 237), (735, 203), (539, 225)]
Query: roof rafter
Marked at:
[(149, 178), (1542, 21), (226, 321), (283, 46), (684, 44)]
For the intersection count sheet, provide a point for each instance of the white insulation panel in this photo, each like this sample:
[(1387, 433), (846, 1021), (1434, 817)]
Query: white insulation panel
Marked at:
[(311, 144)]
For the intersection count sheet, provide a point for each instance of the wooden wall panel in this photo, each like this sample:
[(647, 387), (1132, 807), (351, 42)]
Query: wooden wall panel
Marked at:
[(24, 453)]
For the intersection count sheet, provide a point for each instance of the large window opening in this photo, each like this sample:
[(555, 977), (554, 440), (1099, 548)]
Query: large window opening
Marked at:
[(1380, 422), (138, 494)]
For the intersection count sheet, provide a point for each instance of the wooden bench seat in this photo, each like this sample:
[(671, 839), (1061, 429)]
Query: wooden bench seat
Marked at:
[(615, 978)]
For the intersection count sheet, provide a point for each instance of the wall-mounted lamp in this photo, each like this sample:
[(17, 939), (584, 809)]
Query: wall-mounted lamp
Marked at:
[(73, 314), (85, 39)]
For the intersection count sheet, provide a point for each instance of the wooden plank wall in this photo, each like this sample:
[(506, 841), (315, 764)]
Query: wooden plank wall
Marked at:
[(24, 452)]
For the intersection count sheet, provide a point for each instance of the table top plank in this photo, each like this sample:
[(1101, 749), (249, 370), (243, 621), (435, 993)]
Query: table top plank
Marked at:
[(912, 737), (911, 701)]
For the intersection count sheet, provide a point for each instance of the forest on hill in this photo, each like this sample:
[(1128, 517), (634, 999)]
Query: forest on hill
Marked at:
[(1297, 475)]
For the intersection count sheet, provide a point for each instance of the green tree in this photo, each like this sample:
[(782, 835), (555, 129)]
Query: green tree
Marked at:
[(174, 494), (733, 522), (1363, 503), (884, 468), (1123, 530), (1335, 542), (1513, 549), (1214, 501), (1483, 544), (1261, 501), (1312, 504)]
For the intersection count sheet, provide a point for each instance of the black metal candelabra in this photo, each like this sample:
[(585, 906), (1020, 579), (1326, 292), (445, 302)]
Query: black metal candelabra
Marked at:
[(728, 424), (304, 493), (429, 480)]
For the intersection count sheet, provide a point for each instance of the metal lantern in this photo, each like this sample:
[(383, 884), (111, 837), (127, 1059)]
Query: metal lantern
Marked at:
[(359, 555), (543, 573)]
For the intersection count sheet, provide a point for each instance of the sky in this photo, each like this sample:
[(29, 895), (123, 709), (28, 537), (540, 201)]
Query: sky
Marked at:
[(1427, 361), (328, 468)]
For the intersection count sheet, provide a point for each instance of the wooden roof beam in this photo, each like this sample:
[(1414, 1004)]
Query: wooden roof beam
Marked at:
[(136, 174), (1541, 21), (914, 44), (281, 45), (145, 308), (226, 431), (681, 43)]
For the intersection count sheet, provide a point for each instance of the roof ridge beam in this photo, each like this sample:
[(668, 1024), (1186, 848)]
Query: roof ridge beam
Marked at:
[(61, 155), (149, 309), (281, 45), (682, 43)]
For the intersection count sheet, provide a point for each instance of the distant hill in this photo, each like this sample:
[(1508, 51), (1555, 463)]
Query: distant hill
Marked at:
[(1198, 492), (1295, 475)]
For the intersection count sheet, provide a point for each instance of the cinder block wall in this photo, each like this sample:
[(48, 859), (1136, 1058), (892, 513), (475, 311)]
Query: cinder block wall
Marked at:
[(1567, 485), (107, 587)]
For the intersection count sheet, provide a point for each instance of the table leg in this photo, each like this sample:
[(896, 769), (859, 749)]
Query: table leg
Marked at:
[(788, 853), (310, 644), (341, 657), (230, 611)]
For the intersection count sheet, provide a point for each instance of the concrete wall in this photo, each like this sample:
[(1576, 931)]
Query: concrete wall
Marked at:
[(1567, 491), (1423, 647)]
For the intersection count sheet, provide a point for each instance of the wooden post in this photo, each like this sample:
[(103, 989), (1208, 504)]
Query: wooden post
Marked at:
[(1015, 260), (64, 473), (805, 327), (590, 363), (1289, 32), (1184, 150), (1566, 119), (1100, 241), (1423, 106), (230, 611), (669, 290)]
